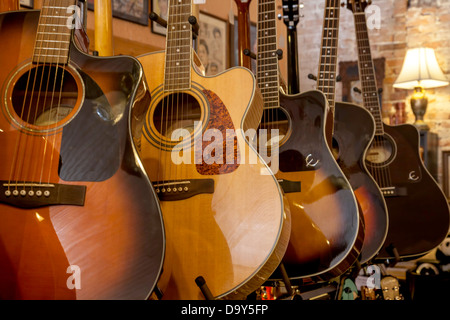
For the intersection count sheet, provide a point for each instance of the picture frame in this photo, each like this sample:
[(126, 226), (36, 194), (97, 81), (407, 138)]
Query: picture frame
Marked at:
[(27, 3), (131, 10), (212, 43), (446, 173), (234, 43), (349, 74), (160, 7)]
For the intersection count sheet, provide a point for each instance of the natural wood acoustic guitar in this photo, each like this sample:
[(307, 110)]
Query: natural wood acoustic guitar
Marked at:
[(224, 214)]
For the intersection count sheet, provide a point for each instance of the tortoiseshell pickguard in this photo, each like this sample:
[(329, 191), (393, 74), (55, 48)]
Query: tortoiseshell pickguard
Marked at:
[(219, 119)]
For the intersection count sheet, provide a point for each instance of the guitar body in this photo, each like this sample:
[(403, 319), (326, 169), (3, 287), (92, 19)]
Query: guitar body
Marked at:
[(95, 231), (326, 232), (418, 209), (234, 231), (352, 138)]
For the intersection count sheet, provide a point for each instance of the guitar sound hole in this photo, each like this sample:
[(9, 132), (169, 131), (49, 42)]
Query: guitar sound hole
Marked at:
[(44, 95), (277, 119), (176, 111), (381, 152)]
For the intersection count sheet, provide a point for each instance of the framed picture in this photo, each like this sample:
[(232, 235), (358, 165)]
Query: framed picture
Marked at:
[(132, 10), (27, 3), (160, 7), (349, 72), (446, 173), (212, 43), (234, 53)]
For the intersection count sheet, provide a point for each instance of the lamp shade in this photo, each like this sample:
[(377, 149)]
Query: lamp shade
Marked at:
[(420, 69)]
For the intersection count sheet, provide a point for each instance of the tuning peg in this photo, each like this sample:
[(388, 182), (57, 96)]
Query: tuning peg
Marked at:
[(279, 53), (250, 54), (195, 26), (356, 89), (338, 78), (312, 77), (156, 18)]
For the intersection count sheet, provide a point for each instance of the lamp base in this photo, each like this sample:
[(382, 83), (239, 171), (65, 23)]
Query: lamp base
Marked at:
[(419, 103)]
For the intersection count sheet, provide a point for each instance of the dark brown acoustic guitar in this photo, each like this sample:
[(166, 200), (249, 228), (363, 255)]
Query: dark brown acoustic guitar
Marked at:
[(418, 209), (79, 218)]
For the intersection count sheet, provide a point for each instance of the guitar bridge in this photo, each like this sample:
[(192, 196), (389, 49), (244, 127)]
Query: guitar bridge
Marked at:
[(393, 191), (28, 195), (183, 189)]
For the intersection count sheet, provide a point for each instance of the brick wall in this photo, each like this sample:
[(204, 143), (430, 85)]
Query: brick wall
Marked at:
[(422, 23)]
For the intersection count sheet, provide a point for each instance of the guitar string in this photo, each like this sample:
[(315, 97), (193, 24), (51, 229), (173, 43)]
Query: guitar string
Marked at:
[(47, 13), (24, 145), (179, 65), (166, 88), (14, 174), (325, 82), (376, 170), (382, 173), (59, 94)]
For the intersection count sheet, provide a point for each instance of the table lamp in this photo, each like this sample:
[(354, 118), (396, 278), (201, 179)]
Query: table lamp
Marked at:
[(420, 71)]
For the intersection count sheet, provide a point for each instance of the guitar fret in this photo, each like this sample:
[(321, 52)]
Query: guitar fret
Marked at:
[(55, 41), (47, 48)]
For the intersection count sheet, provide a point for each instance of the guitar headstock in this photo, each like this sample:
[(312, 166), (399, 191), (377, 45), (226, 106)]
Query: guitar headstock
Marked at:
[(357, 6), (291, 13), (243, 4)]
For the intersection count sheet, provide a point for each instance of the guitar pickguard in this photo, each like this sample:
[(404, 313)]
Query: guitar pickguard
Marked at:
[(219, 119)]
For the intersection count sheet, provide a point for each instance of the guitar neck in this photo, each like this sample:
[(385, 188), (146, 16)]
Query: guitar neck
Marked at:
[(292, 62), (267, 74), (326, 80), (53, 33), (367, 72), (177, 73)]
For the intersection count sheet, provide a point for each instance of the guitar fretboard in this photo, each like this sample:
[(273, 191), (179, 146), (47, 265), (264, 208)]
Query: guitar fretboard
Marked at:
[(326, 80), (267, 59), (367, 77), (177, 75), (54, 32)]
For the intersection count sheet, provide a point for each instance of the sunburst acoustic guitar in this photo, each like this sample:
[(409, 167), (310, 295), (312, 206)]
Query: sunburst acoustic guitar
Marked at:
[(351, 133), (79, 218), (325, 218)]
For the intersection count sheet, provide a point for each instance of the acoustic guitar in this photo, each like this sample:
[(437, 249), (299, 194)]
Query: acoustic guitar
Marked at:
[(226, 223), (9, 5), (418, 209), (79, 218), (351, 133), (325, 218)]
